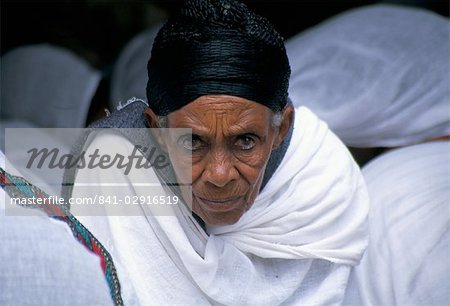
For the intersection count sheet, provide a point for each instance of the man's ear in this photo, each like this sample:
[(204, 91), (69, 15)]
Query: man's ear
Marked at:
[(153, 123), (151, 117), (287, 119)]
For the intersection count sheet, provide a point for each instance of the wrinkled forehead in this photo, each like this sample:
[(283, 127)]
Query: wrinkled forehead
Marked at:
[(228, 110)]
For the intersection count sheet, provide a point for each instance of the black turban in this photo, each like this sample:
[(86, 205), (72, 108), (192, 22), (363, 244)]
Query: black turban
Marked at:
[(217, 47)]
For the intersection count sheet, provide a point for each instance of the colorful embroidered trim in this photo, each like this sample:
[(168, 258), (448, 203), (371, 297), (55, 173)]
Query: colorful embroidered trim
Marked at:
[(18, 187)]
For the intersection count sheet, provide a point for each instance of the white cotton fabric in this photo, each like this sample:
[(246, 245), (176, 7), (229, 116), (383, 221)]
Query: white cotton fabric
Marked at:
[(296, 245), (406, 262), (129, 78), (41, 263), (47, 86), (378, 75)]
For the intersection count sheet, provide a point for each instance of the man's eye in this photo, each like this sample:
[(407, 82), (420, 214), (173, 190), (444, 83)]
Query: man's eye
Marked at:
[(245, 142), (190, 143)]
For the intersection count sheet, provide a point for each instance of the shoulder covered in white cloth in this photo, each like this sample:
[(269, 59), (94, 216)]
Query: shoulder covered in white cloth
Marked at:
[(310, 219), (406, 262), (41, 263), (368, 71)]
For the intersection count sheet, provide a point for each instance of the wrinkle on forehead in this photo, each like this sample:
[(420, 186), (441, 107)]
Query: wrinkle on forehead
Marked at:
[(216, 115)]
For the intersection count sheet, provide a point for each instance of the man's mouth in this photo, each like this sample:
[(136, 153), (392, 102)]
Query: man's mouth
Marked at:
[(219, 205)]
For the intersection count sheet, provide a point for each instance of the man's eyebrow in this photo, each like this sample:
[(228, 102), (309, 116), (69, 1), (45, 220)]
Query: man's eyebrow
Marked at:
[(249, 128)]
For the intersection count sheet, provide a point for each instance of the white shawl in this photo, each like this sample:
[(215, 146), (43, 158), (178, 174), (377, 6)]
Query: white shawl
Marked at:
[(295, 245), (406, 262), (378, 75)]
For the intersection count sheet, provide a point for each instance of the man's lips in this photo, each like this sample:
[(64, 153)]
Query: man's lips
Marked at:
[(219, 204)]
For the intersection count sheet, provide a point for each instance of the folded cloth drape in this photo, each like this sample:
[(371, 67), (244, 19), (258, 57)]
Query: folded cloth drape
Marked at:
[(297, 244), (378, 75), (406, 262)]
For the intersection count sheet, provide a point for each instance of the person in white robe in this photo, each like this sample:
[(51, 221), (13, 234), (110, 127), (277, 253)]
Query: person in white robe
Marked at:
[(378, 75), (43, 86), (406, 261), (296, 242), (41, 263)]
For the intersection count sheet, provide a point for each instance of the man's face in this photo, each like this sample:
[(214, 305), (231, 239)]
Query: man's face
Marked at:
[(232, 139)]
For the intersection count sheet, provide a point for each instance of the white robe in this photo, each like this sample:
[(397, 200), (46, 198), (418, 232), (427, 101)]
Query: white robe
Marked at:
[(296, 245), (406, 262), (378, 75), (41, 263)]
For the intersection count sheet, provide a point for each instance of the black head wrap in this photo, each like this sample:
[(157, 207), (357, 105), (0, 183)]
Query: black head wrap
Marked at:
[(217, 47)]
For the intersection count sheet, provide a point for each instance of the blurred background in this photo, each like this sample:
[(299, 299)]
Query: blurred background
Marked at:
[(63, 62), (97, 30)]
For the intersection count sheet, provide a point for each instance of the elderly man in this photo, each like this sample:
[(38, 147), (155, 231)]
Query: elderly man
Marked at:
[(279, 207)]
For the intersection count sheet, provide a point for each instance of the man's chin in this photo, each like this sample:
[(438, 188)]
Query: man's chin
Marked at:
[(219, 213)]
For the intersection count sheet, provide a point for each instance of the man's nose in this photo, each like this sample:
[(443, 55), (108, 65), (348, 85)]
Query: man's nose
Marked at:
[(220, 169)]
